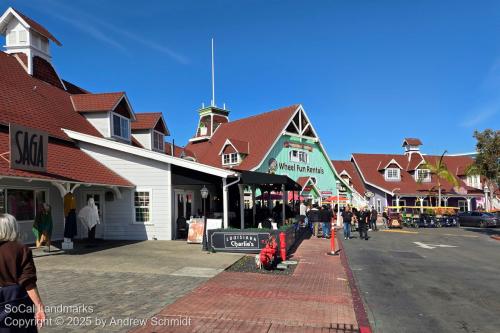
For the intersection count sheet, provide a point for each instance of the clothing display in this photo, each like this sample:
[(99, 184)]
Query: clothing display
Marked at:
[(89, 215), (43, 223), (70, 229)]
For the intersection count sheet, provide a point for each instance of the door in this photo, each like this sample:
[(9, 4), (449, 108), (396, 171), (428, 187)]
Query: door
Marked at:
[(99, 202), (183, 206)]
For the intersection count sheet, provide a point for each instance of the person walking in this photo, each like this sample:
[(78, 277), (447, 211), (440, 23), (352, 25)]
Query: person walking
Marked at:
[(314, 218), (373, 219), (347, 217), (326, 221), (363, 223), (18, 290)]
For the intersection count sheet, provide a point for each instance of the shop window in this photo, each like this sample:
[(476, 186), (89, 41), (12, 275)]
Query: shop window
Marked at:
[(158, 141), (299, 156), (423, 175), (142, 206), (462, 205), (228, 159), (393, 174), (121, 128), (379, 206), (23, 204)]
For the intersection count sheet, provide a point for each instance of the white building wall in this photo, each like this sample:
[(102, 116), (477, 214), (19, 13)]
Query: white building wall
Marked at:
[(101, 122), (145, 174), (144, 139)]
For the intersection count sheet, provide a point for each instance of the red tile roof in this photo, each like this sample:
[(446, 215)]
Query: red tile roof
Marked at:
[(178, 151), (38, 27), (150, 120), (65, 163), (350, 168), (74, 89), (33, 103), (412, 141), (368, 167), (44, 71), (259, 131), (241, 147), (96, 102), (302, 181)]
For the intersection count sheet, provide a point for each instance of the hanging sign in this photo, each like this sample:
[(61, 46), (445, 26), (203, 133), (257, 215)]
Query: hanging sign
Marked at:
[(28, 148)]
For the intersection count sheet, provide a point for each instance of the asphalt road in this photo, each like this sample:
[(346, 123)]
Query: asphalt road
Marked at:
[(408, 287)]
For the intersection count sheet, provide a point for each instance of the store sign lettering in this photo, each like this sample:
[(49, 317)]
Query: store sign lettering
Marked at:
[(242, 241), (28, 148), (300, 168)]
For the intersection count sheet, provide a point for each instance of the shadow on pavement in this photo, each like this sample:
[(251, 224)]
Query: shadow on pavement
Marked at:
[(485, 231)]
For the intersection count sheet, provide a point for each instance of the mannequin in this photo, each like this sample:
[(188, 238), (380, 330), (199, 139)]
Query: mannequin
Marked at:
[(89, 216), (42, 227)]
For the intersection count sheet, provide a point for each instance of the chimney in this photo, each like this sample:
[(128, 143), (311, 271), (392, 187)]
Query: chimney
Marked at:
[(411, 146)]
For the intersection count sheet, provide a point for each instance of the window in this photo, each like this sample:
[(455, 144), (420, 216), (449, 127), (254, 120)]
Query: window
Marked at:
[(142, 205), (228, 159), (158, 141), (23, 37), (121, 126), (462, 205), (379, 206), (402, 202), (474, 181), (298, 156), (23, 204), (423, 175), (12, 38), (392, 174)]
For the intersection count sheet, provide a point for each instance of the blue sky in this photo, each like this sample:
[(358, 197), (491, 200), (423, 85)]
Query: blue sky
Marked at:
[(368, 73)]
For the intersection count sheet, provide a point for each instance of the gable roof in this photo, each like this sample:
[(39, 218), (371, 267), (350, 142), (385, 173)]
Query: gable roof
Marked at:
[(352, 172), (367, 164), (149, 120), (239, 146), (30, 102), (180, 152), (260, 132), (412, 142), (32, 24), (96, 102)]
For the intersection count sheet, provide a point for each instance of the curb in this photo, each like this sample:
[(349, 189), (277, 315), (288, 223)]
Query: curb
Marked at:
[(359, 306), (496, 237)]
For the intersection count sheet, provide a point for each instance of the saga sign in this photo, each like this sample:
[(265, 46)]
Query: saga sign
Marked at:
[(28, 148)]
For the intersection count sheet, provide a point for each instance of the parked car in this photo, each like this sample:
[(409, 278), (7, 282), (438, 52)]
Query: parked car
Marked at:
[(478, 219), (449, 221), (426, 221)]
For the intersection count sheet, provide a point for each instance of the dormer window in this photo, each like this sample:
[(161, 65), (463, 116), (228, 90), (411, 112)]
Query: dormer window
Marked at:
[(121, 126), (392, 174), (230, 159), (423, 175), (158, 141)]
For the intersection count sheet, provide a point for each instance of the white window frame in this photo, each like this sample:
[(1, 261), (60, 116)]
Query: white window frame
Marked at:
[(418, 177), (463, 204), (298, 156), (5, 189), (402, 202), (232, 159), (389, 170), (122, 118), (161, 140), (134, 220)]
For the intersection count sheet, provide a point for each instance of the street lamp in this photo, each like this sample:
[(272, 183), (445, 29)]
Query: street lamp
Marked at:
[(204, 195), (486, 197)]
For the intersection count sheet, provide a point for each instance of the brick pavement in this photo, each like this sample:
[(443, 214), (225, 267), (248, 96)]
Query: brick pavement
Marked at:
[(316, 298)]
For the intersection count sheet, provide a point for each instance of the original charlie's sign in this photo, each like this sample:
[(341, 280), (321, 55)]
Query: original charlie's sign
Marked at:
[(235, 241), (28, 148)]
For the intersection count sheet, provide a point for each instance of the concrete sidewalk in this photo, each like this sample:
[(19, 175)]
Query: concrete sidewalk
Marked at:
[(316, 298)]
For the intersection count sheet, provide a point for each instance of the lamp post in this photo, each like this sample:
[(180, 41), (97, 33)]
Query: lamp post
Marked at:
[(486, 197), (204, 195)]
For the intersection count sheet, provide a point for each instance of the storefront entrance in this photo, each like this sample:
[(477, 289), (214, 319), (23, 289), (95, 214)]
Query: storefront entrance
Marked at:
[(99, 202)]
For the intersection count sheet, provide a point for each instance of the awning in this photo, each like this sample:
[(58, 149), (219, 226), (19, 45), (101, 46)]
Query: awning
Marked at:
[(267, 181)]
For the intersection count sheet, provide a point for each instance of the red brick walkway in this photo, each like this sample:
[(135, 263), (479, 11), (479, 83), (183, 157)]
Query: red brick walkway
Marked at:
[(316, 298)]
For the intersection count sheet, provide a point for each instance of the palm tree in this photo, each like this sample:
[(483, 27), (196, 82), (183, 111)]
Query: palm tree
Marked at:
[(441, 172)]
